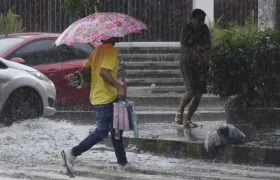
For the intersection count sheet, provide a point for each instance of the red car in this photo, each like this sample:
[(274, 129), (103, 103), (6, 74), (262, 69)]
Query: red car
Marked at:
[(37, 50)]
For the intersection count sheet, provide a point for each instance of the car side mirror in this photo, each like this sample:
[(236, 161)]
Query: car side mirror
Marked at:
[(18, 60)]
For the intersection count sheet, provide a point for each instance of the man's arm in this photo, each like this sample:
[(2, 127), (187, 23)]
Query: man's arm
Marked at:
[(86, 75), (83, 76), (108, 78)]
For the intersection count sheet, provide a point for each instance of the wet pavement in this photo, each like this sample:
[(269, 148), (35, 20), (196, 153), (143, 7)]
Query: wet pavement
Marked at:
[(171, 131), (31, 150)]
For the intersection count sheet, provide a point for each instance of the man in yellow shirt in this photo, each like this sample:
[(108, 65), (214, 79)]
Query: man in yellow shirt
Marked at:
[(102, 67)]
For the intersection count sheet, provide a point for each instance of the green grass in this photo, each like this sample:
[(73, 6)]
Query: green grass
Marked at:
[(10, 23)]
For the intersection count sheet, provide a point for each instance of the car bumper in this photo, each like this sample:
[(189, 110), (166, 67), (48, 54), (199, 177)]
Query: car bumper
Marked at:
[(49, 111), (48, 97)]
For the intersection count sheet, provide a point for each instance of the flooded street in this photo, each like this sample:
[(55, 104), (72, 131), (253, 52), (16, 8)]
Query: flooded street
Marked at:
[(193, 76), (31, 150)]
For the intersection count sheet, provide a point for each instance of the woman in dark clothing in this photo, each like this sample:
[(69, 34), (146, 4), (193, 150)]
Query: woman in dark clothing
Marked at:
[(195, 41)]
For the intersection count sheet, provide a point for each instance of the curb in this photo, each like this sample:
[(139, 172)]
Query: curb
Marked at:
[(88, 117), (233, 153), (173, 100)]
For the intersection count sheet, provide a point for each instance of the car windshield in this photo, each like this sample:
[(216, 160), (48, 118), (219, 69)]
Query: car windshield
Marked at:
[(7, 43)]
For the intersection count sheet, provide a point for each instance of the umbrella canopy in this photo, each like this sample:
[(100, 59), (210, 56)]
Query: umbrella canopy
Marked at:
[(100, 26)]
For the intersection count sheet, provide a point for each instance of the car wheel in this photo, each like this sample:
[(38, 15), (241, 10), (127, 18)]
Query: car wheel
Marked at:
[(23, 103)]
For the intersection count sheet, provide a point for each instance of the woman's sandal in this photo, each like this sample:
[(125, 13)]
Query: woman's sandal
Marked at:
[(179, 118), (189, 124)]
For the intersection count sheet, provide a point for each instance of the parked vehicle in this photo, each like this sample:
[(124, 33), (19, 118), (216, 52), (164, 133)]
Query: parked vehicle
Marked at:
[(24, 93), (37, 50)]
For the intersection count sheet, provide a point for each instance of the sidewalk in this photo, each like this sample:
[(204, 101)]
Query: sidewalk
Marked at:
[(171, 139), (172, 131)]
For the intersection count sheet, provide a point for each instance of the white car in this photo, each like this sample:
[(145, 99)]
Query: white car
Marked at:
[(25, 93)]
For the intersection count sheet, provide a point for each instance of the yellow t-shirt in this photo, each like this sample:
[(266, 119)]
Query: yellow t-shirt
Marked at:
[(104, 56)]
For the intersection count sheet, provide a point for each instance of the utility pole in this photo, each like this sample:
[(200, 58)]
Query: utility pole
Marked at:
[(266, 14), (96, 6)]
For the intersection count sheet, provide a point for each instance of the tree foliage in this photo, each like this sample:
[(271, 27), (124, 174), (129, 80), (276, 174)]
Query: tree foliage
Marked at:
[(77, 9), (10, 23)]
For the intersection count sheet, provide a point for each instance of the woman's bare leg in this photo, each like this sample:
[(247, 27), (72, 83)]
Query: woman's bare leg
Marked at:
[(187, 97), (192, 108)]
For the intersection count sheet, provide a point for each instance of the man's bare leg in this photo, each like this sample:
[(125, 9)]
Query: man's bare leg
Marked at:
[(192, 108), (187, 97)]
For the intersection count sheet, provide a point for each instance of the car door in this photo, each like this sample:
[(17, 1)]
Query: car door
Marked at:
[(55, 63), (40, 55), (72, 60)]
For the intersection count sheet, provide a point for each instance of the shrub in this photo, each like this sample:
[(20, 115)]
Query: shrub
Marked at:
[(234, 30), (81, 8), (248, 69), (10, 23)]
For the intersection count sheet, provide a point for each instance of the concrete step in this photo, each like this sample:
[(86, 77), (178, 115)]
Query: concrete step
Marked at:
[(169, 116), (149, 50), (142, 91), (148, 47), (168, 89), (153, 74), (144, 116), (156, 81), (157, 90), (149, 57), (173, 100), (149, 65)]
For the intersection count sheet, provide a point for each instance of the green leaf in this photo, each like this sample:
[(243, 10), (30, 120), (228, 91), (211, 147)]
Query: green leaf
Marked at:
[(245, 65), (77, 9), (10, 23)]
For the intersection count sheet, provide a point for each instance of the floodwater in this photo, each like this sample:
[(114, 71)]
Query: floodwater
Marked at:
[(31, 150)]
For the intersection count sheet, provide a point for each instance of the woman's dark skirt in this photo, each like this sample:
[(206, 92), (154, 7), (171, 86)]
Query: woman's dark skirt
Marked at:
[(195, 77)]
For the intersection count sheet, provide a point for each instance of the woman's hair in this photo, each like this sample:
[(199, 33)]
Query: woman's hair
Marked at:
[(198, 14)]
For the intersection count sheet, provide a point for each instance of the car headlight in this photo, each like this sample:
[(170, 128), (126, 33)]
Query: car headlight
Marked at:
[(40, 76)]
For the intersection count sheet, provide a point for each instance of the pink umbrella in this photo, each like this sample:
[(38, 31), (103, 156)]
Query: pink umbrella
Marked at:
[(100, 26)]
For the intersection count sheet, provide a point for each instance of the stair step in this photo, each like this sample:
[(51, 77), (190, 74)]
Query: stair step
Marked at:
[(149, 51), (173, 100), (173, 109), (156, 81), (148, 47), (160, 65), (149, 57), (143, 116), (153, 74), (158, 90), (142, 91)]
